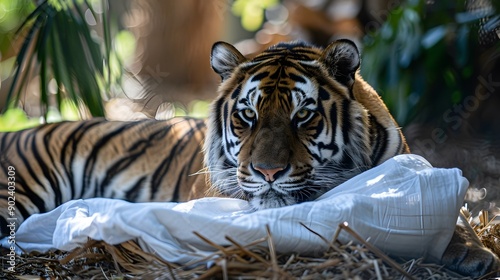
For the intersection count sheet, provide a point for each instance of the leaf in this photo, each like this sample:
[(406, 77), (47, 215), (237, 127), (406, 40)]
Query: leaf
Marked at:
[(60, 46), (41, 8), (93, 48), (473, 15), (434, 35), (21, 60), (15, 119)]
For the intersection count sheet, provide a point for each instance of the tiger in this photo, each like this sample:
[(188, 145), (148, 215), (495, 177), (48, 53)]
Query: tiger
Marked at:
[(286, 126)]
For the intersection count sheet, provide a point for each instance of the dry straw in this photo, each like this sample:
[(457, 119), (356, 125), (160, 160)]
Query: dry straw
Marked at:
[(257, 260)]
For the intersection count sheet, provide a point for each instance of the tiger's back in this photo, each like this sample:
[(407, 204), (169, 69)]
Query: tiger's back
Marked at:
[(149, 160)]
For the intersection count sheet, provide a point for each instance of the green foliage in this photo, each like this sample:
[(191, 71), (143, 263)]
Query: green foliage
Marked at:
[(252, 12), (124, 45), (12, 14), (195, 109), (60, 46), (424, 58), (15, 119)]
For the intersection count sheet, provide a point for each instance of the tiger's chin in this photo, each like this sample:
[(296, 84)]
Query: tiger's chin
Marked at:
[(271, 199), (267, 196)]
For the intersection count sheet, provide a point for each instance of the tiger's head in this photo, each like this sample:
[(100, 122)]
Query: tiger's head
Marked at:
[(287, 125)]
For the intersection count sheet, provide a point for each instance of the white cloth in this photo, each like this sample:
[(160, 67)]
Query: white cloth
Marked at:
[(404, 207)]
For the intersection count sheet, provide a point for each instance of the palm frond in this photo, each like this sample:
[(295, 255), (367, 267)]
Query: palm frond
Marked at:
[(60, 45)]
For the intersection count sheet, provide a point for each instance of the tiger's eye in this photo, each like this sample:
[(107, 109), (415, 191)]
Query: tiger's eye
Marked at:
[(302, 113), (249, 113)]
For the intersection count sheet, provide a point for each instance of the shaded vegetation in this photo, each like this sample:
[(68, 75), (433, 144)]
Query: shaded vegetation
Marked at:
[(428, 55)]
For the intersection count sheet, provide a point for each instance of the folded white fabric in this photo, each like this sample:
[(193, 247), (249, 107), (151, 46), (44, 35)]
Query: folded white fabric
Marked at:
[(404, 207)]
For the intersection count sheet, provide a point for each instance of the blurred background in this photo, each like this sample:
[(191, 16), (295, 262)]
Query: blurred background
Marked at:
[(435, 63)]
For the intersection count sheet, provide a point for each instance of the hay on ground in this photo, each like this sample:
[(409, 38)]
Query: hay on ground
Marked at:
[(257, 260)]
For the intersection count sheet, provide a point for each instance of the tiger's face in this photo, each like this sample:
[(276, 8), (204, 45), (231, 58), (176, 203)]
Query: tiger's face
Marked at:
[(285, 127)]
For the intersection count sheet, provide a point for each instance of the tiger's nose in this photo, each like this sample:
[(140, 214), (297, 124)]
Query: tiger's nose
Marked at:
[(270, 174)]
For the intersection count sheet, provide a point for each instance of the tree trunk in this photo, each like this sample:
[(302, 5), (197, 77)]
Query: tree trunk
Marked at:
[(174, 40)]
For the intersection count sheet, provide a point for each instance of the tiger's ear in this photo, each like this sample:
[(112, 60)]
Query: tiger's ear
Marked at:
[(225, 58), (342, 60)]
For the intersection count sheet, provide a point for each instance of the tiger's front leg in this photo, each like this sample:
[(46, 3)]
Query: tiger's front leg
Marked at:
[(466, 254)]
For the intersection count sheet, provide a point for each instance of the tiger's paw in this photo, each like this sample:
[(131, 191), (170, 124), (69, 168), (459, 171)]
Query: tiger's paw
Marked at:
[(466, 254)]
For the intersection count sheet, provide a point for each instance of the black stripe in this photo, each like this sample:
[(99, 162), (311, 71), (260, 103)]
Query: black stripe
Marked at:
[(346, 162), (302, 54), (379, 141), (277, 74), (46, 168), (27, 162), (3, 141), (69, 149), (260, 76), (134, 152), (333, 125), (7, 137), (19, 206), (323, 94), (231, 124), (3, 226), (244, 172), (291, 45), (47, 141), (224, 118), (179, 183), (346, 120), (92, 158), (28, 192), (297, 78), (218, 107), (400, 142), (334, 120), (279, 63), (235, 93), (186, 172), (175, 151), (133, 193)]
